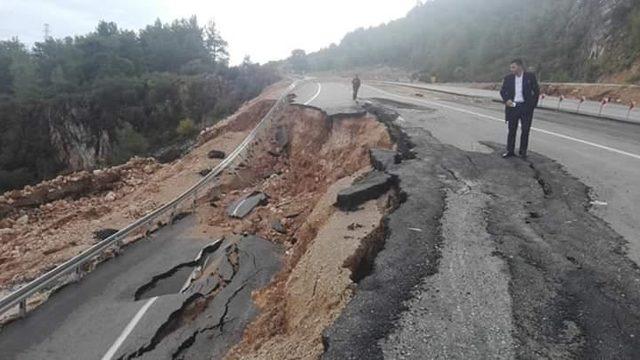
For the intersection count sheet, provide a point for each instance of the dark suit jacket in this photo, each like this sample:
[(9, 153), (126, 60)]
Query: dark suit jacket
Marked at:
[(530, 90)]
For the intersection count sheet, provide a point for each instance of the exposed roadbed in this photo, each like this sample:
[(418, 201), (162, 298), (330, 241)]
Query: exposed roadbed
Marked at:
[(491, 258)]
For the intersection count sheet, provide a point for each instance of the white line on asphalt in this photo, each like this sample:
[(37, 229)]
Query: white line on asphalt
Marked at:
[(315, 95), (234, 213), (567, 137), (127, 330)]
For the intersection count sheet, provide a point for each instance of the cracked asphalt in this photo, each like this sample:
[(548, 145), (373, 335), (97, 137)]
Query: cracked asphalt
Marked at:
[(486, 258), (499, 259), (90, 314)]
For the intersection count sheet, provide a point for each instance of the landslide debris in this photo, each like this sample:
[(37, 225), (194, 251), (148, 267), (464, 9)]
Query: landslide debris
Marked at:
[(46, 224), (83, 183), (308, 158)]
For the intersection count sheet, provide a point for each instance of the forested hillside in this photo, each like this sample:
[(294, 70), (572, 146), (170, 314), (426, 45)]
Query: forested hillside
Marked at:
[(94, 100), (458, 40)]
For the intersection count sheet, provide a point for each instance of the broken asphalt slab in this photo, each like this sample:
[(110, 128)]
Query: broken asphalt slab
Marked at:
[(372, 186), (204, 321), (383, 159), (243, 206)]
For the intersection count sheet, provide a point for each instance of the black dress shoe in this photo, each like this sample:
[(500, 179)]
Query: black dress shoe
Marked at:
[(508, 155), (523, 156)]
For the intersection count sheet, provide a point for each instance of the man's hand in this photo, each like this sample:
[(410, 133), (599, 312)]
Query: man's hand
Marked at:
[(509, 103)]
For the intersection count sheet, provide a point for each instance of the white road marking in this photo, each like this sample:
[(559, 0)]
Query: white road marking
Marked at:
[(567, 137), (315, 95), (128, 329), (136, 319), (234, 213)]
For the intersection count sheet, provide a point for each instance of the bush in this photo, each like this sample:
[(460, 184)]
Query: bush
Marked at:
[(128, 144), (187, 128), (16, 178)]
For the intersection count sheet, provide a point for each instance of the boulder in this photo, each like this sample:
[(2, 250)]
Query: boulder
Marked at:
[(111, 196), (278, 227), (216, 154), (23, 220)]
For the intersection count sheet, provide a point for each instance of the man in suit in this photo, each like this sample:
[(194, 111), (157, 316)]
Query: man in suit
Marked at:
[(520, 93)]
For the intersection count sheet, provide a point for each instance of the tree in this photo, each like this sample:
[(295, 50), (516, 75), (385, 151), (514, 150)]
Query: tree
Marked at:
[(24, 76), (246, 61), (216, 45), (116, 92), (298, 61), (187, 128)]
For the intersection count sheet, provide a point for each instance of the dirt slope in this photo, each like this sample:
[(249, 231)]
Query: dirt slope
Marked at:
[(38, 230)]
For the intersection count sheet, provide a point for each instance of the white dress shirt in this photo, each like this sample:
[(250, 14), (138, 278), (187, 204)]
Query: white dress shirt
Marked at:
[(519, 97)]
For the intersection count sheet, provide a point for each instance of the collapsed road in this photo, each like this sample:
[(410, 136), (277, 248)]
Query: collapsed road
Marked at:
[(388, 228), (490, 258)]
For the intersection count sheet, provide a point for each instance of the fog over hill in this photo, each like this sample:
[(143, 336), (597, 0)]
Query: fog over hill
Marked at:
[(463, 40)]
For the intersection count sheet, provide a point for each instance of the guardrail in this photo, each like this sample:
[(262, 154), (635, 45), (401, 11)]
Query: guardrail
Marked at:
[(73, 266)]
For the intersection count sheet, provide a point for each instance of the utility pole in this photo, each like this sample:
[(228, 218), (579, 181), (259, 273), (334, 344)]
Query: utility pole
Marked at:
[(46, 32)]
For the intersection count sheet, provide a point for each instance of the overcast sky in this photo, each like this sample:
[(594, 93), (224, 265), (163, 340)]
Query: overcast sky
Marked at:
[(265, 30)]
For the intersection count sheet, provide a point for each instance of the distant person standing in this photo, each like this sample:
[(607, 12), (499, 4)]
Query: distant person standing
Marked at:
[(520, 92), (356, 86)]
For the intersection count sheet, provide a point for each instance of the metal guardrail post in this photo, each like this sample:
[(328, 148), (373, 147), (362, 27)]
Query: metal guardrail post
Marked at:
[(195, 200), (22, 308), (172, 214), (77, 274)]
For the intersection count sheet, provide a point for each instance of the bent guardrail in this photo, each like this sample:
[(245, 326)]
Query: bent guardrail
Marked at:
[(19, 297)]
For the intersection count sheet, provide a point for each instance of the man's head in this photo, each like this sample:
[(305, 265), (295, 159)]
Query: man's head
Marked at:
[(517, 67)]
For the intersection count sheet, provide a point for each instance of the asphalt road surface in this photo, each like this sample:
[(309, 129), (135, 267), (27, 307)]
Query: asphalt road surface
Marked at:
[(571, 105), (603, 154), (493, 258), (85, 319), (486, 258)]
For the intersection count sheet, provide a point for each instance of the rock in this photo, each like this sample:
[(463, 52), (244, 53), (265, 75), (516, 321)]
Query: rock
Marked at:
[(7, 231), (23, 220), (383, 159), (5, 210), (293, 213), (216, 154), (274, 153), (6, 223), (354, 226), (111, 196), (370, 187), (243, 206), (149, 169), (278, 227), (282, 137), (173, 152)]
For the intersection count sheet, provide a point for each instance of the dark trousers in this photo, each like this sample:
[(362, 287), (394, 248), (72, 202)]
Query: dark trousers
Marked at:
[(523, 114), (355, 92)]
